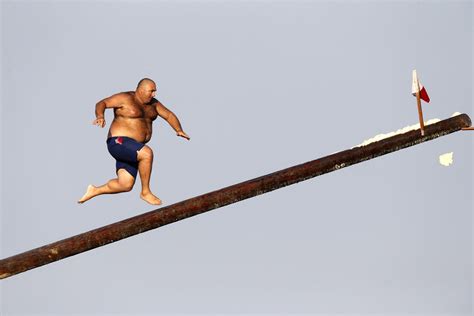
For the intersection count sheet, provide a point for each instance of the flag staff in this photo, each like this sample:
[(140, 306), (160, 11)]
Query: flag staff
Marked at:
[(418, 101), (420, 111)]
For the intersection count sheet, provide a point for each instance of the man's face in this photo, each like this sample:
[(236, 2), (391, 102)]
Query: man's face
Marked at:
[(148, 91)]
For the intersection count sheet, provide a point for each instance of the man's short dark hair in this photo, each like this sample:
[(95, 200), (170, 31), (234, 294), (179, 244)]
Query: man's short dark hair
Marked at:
[(143, 81)]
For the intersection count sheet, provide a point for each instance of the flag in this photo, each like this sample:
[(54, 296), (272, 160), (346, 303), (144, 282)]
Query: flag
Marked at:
[(416, 83)]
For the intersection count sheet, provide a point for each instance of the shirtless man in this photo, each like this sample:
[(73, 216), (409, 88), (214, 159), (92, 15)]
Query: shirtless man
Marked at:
[(131, 129)]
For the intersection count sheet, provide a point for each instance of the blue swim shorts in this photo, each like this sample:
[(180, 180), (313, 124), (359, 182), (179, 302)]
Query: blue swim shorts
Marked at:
[(124, 150)]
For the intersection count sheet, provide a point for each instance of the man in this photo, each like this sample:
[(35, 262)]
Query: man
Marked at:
[(131, 129)]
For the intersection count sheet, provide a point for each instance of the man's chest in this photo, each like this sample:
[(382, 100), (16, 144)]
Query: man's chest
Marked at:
[(133, 110)]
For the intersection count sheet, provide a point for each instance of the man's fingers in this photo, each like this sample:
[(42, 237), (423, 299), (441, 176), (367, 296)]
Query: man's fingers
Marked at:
[(184, 135), (99, 122)]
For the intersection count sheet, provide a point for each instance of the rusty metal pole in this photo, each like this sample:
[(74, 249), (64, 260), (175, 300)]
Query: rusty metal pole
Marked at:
[(232, 194)]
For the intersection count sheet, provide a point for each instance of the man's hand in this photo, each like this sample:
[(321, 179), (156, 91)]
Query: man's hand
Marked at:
[(183, 134), (99, 122)]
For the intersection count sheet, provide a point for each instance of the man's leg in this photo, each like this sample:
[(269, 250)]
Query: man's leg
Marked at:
[(145, 161), (123, 183)]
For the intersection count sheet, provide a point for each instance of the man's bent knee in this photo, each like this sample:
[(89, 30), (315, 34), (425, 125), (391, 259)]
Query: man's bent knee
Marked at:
[(145, 153), (127, 188), (125, 180)]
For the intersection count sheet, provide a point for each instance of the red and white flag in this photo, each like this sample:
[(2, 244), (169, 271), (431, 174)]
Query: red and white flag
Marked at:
[(417, 86)]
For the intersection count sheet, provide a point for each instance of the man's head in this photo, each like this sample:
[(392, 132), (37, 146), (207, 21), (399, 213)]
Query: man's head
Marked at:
[(146, 90)]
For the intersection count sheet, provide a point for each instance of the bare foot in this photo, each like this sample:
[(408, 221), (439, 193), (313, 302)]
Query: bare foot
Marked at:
[(150, 198), (89, 194)]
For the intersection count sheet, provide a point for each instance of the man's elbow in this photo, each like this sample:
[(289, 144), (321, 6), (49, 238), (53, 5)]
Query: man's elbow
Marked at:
[(100, 104)]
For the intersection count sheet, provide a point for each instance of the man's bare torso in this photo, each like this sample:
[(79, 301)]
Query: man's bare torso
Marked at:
[(134, 120)]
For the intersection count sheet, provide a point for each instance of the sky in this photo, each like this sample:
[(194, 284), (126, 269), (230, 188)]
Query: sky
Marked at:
[(258, 86)]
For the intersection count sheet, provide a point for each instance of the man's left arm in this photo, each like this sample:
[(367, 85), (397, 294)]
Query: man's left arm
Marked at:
[(171, 118)]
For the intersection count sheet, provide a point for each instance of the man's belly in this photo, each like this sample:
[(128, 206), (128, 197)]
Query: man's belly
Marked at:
[(136, 129)]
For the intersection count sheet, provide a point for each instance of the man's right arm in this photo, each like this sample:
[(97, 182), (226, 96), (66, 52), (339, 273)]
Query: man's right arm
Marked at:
[(115, 101)]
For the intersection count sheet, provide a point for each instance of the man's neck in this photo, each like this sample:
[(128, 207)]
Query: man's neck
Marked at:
[(137, 99)]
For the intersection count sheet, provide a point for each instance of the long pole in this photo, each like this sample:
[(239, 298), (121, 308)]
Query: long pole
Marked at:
[(232, 194)]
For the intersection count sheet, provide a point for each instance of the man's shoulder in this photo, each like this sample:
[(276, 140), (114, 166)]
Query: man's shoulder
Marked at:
[(155, 102), (122, 96), (125, 94)]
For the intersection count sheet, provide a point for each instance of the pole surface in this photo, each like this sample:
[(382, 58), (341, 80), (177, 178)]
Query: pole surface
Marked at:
[(232, 194)]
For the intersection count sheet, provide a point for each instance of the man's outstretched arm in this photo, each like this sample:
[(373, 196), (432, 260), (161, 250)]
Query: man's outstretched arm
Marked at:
[(115, 101), (171, 118)]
